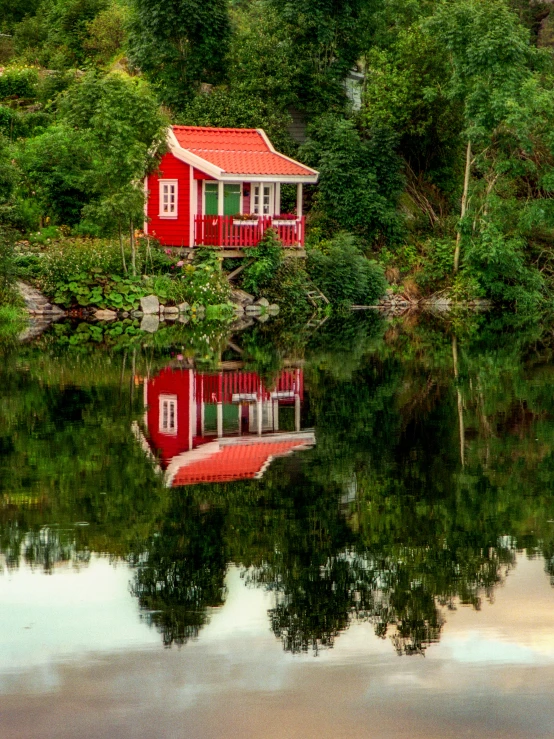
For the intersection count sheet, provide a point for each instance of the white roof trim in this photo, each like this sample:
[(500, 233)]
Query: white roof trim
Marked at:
[(217, 173), (189, 158)]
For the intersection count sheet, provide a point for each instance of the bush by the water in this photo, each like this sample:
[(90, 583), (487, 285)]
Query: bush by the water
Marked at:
[(342, 272), (268, 258), (91, 272)]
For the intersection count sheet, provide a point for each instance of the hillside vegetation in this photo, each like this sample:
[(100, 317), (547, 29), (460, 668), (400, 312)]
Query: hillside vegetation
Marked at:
[(444, 173)]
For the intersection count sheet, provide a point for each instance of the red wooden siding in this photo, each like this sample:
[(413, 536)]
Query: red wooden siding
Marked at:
[(172, 383), (198, 175), (246, 197), (170, 231)]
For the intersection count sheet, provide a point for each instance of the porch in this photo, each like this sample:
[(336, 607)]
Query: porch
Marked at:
[(236, 232)]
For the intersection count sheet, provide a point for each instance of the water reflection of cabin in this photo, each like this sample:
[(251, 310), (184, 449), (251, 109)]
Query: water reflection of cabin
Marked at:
[(217, 427)]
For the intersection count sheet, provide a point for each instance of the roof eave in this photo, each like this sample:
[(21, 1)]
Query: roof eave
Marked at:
[(186, 156), (283, 179), (194, 160)]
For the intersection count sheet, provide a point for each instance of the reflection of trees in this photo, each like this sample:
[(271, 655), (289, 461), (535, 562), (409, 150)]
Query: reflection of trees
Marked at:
[(46, 547), (181, 571), (380, 522), (67, 455)]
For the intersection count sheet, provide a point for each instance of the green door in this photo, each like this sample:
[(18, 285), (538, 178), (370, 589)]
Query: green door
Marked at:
[(211, 198), (231, 200)]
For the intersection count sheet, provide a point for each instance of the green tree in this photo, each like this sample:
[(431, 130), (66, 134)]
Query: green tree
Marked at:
[(327, 37), (491, 60), (360, 178), (180, 46)]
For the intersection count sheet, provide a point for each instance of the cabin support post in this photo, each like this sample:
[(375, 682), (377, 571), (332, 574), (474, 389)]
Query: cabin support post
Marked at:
[(277, 207), (276, 415), (297, 412), (299, 197)]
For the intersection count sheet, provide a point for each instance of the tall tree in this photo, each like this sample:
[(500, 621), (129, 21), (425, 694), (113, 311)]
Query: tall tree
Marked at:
[(328, 37), (180, 45), (490, 59), (122, 126)]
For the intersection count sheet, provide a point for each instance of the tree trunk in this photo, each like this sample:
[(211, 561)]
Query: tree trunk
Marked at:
[(464, 207), (133, 251), (121, 247)]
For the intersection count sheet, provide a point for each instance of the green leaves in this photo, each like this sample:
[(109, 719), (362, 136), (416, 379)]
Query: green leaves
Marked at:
[(180, 45), (360, 179), (343, 274)]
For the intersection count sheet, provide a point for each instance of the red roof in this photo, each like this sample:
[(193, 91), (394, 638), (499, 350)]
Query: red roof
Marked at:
[(240, 151), (234, 462)]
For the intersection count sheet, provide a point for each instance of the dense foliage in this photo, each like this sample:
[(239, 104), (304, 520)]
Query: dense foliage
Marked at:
[(430, 121)]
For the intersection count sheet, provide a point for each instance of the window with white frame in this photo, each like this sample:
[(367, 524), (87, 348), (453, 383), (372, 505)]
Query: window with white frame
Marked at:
[(262, 200), (168, 198), (168, 414)]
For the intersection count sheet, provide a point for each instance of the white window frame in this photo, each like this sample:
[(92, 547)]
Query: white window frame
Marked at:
[(261, 185), (173, 211), (168, 415)]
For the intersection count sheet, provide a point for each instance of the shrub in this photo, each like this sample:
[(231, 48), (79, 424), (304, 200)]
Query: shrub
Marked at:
[(288, 289), (18, 82), (438, 263), (498, 264), (90, 273), (268, 257), (344, 274), (359, 178)]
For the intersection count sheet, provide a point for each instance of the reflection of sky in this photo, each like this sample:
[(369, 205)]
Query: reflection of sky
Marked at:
[(76, 660), (47, 618)]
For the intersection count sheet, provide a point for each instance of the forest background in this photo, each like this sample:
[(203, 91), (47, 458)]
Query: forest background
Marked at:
[(443, 174)]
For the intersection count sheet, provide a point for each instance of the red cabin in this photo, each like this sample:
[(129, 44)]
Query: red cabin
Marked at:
[(222, 187), (205, 427)]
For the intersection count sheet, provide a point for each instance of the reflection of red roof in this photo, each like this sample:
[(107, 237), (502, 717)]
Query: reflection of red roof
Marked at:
[(234, 462), (237, 151)]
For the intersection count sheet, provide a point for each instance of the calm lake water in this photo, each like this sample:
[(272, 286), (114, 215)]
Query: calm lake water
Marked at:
[(286, 533)]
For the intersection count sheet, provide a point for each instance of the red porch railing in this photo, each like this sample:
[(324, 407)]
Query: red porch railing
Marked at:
[(231, 233), (221, 387)]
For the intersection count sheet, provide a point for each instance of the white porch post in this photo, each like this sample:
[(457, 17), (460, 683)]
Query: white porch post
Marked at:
[(220, 199), (192, 407), (277, 208), (299, 193), (297, 412), (220, 420)]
